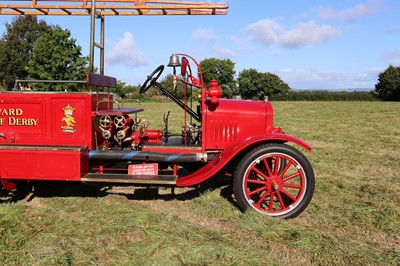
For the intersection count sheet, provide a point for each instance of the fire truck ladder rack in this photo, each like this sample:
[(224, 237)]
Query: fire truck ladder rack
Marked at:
[(101, 8)]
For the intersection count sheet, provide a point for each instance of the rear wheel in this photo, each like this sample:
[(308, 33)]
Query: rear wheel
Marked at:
[(275, 180)]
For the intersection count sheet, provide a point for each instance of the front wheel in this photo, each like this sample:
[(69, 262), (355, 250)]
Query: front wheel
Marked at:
[(275, 180)]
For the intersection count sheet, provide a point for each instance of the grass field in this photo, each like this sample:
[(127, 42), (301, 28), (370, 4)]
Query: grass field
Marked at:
[(353, 218)]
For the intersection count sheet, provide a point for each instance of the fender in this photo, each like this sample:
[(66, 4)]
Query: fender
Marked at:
[(8, 185), (231, 151)]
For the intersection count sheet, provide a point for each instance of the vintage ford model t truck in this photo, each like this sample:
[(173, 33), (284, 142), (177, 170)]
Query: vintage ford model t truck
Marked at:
[(88, 137)]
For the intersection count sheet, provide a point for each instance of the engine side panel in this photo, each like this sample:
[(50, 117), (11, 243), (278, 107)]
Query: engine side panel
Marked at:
[(232, 121)]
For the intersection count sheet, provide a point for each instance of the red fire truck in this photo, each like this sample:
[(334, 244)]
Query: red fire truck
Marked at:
[(89, 137)]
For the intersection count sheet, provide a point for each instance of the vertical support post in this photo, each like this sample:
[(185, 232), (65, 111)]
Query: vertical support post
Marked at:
[(102, 33), (93, 43), (92, 35)]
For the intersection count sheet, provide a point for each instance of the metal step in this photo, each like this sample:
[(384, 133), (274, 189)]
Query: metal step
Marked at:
[(131, 179)]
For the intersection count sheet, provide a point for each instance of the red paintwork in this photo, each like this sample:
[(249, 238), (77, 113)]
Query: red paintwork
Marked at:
[(50, 135), (231, 121), (231, 151), (214, 92), (46, 111), (7, 184), (44, 163)]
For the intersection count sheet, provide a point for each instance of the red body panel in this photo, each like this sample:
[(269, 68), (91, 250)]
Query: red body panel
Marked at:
[(232, 121), (45, 136), (46, 119), (43, 163)]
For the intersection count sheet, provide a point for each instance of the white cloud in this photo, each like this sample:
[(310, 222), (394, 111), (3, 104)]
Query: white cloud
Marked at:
[(351, 14), (202, 34), (264, 31), (126, 53), (208, 38), (276, 53), (326, 13), (222, 52), (392, 57), (359, 11), (306, 34), (316, 79), (242, 44), (394, 29)]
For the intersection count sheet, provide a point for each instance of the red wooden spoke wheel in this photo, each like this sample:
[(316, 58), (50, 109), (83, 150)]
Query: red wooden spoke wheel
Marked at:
[(274, 179)]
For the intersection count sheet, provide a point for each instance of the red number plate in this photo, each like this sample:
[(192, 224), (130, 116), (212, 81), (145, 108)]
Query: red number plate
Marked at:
[(143, 169)]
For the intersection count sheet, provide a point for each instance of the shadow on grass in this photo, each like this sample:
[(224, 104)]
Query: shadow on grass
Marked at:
[(48, 189)]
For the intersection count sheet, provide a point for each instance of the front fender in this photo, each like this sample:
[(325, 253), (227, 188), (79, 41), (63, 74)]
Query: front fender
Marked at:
[(275, 137), (231, 151)]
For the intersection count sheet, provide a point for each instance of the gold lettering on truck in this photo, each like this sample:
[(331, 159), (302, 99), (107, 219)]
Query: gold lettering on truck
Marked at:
[(13, 118), (13, 121), (11, 112)]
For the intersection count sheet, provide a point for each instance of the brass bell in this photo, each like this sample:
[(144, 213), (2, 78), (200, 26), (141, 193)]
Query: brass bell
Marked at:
[(174, 61)]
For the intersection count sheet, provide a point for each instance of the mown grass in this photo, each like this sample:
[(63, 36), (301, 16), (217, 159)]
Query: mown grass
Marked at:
[(353, 218)]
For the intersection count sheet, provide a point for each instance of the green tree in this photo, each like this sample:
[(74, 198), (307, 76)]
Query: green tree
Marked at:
[(222, 71), (16, 47), (121, 90), (256, 85), (125, 91), (178, 90), (388, 86), (56, 56)]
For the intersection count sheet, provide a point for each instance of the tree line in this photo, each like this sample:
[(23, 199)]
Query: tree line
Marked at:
[(32, 49)]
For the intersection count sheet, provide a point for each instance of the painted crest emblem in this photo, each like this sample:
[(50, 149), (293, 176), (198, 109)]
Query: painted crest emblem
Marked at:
[(68, 119)]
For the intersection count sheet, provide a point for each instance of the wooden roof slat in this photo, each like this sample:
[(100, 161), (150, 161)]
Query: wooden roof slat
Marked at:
[(111, 7), (66, 11), (19, 12), (44, 11)]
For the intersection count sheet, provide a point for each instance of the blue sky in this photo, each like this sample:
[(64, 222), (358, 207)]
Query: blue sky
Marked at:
[(309, 44)]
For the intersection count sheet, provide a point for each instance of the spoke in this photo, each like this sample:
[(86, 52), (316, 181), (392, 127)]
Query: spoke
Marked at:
[(291, 177), (271, 201), (257, 182), (261, 174), (276, 165), (288, 195), (257, 191), (278, 194), (292, 186), (267, 167), (285, 169), (262, 199)]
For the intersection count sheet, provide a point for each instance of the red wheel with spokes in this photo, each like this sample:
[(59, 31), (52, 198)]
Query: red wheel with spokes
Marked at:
[(274, 179)]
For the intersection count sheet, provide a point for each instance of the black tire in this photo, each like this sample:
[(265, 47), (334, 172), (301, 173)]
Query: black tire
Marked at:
[(282, 193)]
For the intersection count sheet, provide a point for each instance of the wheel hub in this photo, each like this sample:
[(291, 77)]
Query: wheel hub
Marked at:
[(275, 186)]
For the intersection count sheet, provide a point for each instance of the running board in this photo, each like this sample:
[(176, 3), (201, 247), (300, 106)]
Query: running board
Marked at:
[(131, 179)]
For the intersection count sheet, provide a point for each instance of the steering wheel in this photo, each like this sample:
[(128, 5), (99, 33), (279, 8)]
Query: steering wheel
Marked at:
[(151, 79)]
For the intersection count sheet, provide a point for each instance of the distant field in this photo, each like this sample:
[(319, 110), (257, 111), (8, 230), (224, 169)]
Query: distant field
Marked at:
[(353, 219)]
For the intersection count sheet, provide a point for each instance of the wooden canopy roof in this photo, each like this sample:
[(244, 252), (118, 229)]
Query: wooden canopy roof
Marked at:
[(110, 7)]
